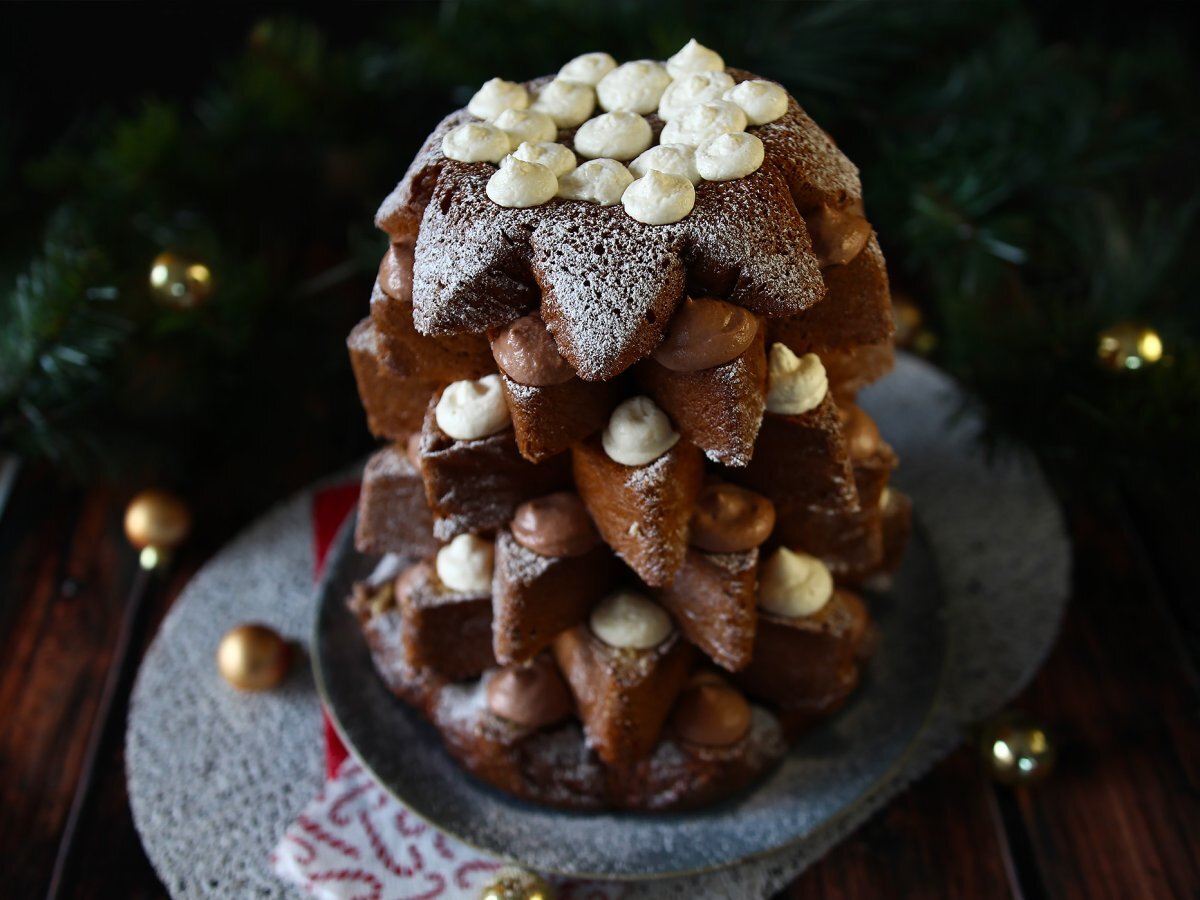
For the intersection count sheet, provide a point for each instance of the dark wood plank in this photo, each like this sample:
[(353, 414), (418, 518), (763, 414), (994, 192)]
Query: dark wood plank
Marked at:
[(938, 839), (109, 860), (1121, 814), (65, 582), (1116, 819)]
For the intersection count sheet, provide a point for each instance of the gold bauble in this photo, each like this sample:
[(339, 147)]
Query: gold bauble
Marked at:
[(1128, 345), (157, 519), (253, 657), (180, 282), (1016, 749), (512, 883), (908, 318)]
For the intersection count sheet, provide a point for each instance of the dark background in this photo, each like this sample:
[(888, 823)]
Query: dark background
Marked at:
[(1121, 689), (64, 60)]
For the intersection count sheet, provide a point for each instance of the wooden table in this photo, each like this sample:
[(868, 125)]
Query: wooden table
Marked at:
[(1120, 817)]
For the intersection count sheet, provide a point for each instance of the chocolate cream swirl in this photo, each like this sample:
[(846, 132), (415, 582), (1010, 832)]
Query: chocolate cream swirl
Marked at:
[(555, 525), (730, 519), (705, 333), (525, 351)]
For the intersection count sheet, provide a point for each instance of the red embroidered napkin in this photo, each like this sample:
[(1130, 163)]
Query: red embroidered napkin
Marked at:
[(355, 840)]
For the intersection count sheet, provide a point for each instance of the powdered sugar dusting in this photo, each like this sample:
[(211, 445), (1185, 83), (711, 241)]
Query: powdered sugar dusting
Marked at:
[(462, 704), (609, 285), (604, 282), (392, 462), (521, 565), (734, 563), (386, 569)]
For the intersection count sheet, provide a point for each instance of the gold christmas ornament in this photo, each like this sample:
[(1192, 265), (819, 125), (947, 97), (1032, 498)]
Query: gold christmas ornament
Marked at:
[(253, 657), (911, 333), (512, 883), (156, 522), (180, 282), (908, 318), (1016, 749), (1128, 345)]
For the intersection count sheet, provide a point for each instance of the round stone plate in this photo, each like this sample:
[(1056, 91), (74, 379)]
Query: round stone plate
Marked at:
[(215, 776), (823, 775)]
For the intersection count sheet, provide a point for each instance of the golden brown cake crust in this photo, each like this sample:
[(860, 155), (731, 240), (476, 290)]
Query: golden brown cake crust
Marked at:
[(642, 512), (623, 696), (719, 409), (548, 420), (392, 514), (475, 486), (604, 283), (787, 245), (536, 597), (395, 404), (713, 600)]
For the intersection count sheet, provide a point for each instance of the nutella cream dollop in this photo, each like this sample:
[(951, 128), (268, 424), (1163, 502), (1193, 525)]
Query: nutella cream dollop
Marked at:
[(532, 696), (838, 235), (674, 159), (794, 585), (588, 68), (476, 142), (703, 121), (638, 433), (555, 525), (628, 621), (694, 57), (730, 519), (761, 101), (469, 410), (601, 181), (465, 564), (729, 156), (527, 354), (634, 87), (496, 96), (711, 713), (614, 135), (412, 449), (658, 198), (795, 384), (395, 272), (558, 158), (704, 333), (568, 103), (861, 434)]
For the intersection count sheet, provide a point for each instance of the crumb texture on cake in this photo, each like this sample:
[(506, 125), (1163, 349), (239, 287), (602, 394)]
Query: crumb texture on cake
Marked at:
[(653, 429)]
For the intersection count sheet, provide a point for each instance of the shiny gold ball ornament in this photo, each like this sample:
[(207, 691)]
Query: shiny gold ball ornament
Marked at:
[(908, 318), (1129, 345), (180, 282), (156, 522), (512, 883), (253, 657), (911, 333), (1016, 749)]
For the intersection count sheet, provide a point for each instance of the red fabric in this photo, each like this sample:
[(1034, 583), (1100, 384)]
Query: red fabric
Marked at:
[(335, 750), (330, 508)]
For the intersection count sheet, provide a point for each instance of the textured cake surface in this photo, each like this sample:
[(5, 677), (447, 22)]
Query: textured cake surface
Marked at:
[(629, 453)]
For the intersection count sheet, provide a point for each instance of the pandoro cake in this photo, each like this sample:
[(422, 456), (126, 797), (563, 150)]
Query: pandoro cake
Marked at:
[(615, 347)]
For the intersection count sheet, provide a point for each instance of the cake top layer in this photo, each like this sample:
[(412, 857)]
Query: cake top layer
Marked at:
[(621, 189)]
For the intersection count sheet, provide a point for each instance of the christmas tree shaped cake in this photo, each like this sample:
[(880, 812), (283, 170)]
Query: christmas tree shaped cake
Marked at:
[(615, 347)]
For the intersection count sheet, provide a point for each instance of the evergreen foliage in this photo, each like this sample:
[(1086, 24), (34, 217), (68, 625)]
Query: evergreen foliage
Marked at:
[(1029, 190)]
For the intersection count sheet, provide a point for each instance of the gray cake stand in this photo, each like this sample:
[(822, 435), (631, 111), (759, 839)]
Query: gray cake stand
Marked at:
[(215, 776)]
